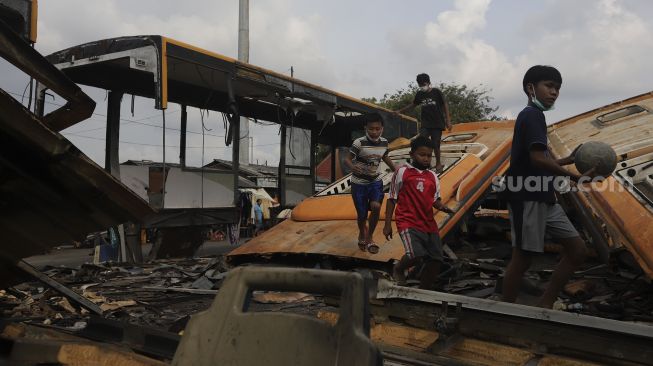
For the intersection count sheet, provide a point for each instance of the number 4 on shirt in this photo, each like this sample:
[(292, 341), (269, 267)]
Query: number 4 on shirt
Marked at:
[(420, 186)]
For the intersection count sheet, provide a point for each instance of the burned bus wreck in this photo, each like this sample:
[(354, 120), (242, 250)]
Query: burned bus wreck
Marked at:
[(169, 71), (249, 307)]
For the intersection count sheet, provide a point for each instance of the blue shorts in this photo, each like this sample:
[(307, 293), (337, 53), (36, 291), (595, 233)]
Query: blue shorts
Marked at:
[(363, 194)]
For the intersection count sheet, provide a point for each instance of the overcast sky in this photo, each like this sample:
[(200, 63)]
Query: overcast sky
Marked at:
[(603, 49)]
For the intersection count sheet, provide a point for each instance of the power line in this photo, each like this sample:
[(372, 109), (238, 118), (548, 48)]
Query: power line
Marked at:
[(154, 145), (137, 121)]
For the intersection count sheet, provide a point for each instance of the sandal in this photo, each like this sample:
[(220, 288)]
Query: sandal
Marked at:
[(362, 245), (372, 247)]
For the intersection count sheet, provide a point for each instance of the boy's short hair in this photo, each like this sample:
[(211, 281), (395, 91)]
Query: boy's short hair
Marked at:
[(420, 141), (423, 78), (372, 117), (539, 73)]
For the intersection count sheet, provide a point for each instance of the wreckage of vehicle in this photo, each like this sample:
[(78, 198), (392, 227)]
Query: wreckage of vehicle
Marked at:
[(275, 315)]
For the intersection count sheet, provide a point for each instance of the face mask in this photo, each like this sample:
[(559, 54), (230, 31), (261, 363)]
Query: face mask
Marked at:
[(539, 104), (425, 88), (370, 137)]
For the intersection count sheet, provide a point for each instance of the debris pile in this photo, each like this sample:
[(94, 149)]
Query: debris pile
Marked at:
[(159, 294), (617, 290)]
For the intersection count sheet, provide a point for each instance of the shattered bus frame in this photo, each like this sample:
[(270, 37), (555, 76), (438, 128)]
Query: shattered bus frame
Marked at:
[(47, 183), (325, 225), (618, 212), (171, 71)]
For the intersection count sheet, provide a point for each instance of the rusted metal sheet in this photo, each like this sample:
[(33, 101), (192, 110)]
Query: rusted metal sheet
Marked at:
[(326, 223), (622, 205), (50, 192)]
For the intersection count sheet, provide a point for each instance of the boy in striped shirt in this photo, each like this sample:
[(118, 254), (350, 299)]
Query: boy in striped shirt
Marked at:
[(363, 159), (415, 191)]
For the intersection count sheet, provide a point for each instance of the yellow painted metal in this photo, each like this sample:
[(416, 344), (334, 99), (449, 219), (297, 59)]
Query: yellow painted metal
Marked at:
[(246, 68), (164, 71), (326, 225), (34, 15), (628, 221)]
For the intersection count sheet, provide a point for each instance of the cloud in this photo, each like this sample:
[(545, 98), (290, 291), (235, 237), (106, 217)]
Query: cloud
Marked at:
[(602, 49), (459, 54), (278, 39), (452, 25)]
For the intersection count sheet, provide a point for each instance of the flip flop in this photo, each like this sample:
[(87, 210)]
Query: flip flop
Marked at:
[(372, 247), (362, 245)]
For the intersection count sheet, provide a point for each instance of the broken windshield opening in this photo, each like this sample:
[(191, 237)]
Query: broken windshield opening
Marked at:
[(343, 185)]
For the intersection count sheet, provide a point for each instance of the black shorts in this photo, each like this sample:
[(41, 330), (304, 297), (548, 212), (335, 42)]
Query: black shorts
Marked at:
[(435, 134), (418, 244)]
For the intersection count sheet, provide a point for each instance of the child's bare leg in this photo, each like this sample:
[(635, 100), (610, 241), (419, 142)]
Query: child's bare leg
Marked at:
[(362, 230), (573, 257), (375, 209), (519, 264), (438, 161), (429, 275)]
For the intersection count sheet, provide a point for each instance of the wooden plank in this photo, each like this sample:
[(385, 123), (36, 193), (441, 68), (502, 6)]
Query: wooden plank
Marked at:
[(76, 354), (563, 361), (20, 330), (393, 334), (486, 353)]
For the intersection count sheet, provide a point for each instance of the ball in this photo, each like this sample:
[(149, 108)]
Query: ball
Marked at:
[(596, 153)]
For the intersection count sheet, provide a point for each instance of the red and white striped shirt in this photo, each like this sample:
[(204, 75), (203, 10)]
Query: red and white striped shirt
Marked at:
[(415, 191)]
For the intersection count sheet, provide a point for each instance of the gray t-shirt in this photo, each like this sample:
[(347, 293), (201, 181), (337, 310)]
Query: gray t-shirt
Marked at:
[(368, 155)]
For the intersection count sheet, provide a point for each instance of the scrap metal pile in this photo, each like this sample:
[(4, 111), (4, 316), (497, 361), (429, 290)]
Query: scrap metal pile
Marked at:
[(167, 310), (163, 293), (160, 297)]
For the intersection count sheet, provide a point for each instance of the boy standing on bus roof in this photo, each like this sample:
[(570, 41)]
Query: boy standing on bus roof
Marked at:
[(435, 114)]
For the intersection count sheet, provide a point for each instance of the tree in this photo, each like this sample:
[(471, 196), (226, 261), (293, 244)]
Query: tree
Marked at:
[(465, 104)]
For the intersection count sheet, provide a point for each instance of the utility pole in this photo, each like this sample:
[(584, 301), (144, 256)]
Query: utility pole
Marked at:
[(243, 55), (251, 149)]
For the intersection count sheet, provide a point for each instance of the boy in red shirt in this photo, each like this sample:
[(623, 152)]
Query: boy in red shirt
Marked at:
[(415, 190)]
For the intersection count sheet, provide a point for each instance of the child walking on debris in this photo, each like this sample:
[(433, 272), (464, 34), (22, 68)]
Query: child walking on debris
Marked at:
[(529, 189), (415, 191), (434, 116), (363, 159)]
